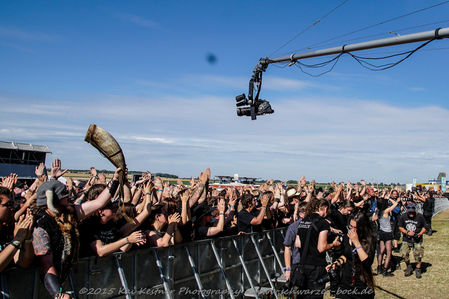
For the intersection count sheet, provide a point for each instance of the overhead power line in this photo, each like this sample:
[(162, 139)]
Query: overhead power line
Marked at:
[(394, 31), (308, 27), (373, 25)]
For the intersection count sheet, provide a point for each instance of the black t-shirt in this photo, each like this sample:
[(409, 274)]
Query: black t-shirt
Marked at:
[(6, 236), (428, 206), (313, 257), (201, 231), (92, 229), (414, 224), (186, 231), (244, 221), (338, 220)]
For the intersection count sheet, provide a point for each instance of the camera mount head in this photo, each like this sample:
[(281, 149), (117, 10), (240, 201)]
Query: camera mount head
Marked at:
[(256, 106)]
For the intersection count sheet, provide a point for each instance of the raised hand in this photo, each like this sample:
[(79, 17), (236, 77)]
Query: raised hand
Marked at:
[(264, 200), (186, 195), (233, 198), (117, 174), (69, 184), (174, 218), (158, 183), (221, 205), (39, 170), (204, 176), (56, 170), (93, 171), (302, 181), (148, 187), (277, 191), (9, 181), (102, 178), (22, 229)]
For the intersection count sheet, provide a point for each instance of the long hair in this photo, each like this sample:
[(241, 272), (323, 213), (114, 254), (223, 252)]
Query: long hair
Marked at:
[(382, 204), (368, 238), (314, 206)]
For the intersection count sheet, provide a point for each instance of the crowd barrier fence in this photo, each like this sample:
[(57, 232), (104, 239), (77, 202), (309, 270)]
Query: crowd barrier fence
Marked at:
[(224, 267)]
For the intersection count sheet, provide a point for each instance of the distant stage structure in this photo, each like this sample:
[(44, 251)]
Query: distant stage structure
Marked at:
[(235, 181), (21, 158)]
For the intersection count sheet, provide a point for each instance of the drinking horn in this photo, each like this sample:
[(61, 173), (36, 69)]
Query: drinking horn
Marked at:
[(109, 147)]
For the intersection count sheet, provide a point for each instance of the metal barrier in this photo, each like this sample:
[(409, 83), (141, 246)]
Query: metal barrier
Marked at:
[(215, 268)]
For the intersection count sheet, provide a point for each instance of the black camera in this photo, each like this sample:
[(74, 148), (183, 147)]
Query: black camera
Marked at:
[(256, 107), (331, 276), (331, 237)]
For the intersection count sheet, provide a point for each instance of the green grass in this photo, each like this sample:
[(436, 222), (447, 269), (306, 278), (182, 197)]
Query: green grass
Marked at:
[(435, 281)]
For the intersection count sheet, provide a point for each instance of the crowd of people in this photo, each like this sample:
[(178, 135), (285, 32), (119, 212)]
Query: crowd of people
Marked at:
[(333, 234)]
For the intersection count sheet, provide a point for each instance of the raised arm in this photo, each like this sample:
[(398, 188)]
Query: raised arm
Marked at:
[(87, 208), (128, 227), (258, 220), (105, 249), (362, 193), (200, 187), (393, 205), (164, 241), (185, 209), (22, 232), (212, 231)]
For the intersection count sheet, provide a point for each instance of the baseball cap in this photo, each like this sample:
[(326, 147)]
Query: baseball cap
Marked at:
[(411, 208)]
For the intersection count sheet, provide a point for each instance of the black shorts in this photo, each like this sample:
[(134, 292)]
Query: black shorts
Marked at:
[(384, 236)]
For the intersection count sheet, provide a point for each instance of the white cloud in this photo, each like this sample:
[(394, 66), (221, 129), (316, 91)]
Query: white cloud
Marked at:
[(278, 83), (323, 138), (150, 139), (241, 83), (16, 47), (417, 89), (139, 21), (15, 33)]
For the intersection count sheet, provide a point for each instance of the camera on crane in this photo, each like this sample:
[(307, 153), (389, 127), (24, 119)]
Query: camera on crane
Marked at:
[(256, 107)]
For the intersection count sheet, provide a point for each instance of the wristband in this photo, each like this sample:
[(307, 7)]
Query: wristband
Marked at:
[(357, 248), (277, 200), (264, 207), (232, 207), (287, 269), (147, 193), (16, 244), (221, 213), (170, 229), (113, 188), (127, 241)]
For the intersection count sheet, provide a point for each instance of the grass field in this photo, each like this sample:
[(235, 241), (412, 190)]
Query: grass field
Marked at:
[(435, 280), (85, 176)]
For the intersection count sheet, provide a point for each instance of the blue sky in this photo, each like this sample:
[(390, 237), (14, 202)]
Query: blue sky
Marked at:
[(139, 69)]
